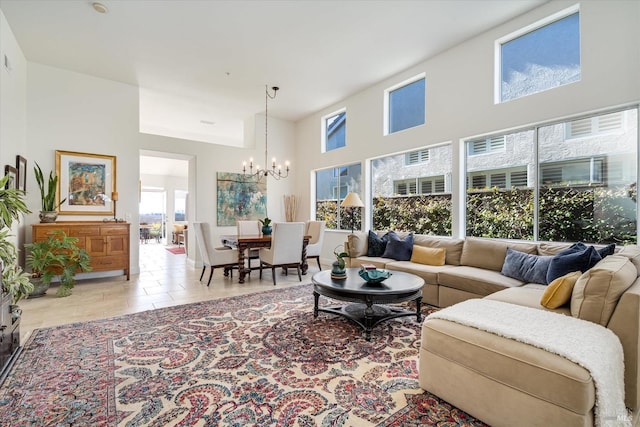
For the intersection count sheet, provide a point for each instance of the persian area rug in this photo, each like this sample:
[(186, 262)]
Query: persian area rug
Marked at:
[(255, 360), (176, 250)]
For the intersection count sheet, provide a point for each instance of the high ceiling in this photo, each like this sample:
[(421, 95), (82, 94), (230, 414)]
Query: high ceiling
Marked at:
[(208, 61)]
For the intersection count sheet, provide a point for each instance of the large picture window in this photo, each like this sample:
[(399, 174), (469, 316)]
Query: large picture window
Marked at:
[(412, 191), (542, 56), (572, 191), (332, 186), (405, 106)]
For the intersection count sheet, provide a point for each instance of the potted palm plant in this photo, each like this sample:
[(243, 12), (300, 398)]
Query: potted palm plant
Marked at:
[(49, 212), (57, 256)]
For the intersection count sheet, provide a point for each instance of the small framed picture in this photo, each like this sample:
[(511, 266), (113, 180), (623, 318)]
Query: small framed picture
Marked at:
[(13, 174), (21, 166)]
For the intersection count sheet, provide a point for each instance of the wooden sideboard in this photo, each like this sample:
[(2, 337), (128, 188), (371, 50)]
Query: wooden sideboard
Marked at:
[(107, 243)]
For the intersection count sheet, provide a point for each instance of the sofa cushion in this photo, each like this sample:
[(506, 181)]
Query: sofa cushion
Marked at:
[(428, 256), (598, 290), (558, 293), (576, 257), (452, 246), (376, 245), (478, 281), (526, 267), (528, 295), (429, 273), (552, 248), (378, 261), (633, 253), (357, 243), (399, 248), (490, 253)]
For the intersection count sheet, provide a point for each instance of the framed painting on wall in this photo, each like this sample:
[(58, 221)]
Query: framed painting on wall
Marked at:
[(239, 198), (13, 177), (21, 166), (86, 181)]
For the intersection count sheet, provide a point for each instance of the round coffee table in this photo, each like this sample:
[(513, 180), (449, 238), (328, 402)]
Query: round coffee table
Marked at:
[(368, 310)]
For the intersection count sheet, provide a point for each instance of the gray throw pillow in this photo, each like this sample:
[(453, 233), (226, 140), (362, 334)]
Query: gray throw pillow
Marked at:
[(397, 248), (526, 267)]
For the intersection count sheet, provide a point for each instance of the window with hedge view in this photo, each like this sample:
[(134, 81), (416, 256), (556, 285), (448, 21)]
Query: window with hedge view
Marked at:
[(412, 191), (332, 186), (584, 176)]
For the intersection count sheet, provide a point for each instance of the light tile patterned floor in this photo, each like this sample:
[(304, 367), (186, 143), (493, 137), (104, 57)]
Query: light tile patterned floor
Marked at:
[(165, 280)]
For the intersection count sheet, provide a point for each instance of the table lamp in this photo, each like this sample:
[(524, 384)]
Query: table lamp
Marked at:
[(352, 201)]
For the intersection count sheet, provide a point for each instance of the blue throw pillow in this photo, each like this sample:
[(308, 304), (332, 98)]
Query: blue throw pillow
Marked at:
[(526, 267), (607, 250), (376, 245), (576, 257), (397, 248)]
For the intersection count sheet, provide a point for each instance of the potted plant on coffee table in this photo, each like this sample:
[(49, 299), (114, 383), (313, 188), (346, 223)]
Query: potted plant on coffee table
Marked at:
[(49, 212), (338, 267), (57, 256)]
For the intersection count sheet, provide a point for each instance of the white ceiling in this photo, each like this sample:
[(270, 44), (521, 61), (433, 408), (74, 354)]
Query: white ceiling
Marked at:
[(211, 59)]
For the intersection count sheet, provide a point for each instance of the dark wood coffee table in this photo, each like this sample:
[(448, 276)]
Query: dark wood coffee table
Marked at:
[(368, 310)]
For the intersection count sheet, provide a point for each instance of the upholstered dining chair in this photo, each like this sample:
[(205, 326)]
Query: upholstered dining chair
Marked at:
[(286, 248), (213, 257), (249, 228), (315, 231)]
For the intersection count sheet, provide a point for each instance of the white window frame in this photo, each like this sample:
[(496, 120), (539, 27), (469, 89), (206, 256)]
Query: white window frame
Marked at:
[(385, 120), (497, 84), (323, 129)]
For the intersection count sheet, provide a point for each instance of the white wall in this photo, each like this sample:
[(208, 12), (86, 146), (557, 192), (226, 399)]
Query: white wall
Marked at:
[(459, 84), (76, 112)]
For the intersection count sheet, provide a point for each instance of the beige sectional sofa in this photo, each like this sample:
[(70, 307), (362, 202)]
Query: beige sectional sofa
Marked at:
[(499, 380)]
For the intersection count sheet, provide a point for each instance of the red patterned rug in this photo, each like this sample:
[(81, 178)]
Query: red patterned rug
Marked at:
[(176, 250), (256, 360)]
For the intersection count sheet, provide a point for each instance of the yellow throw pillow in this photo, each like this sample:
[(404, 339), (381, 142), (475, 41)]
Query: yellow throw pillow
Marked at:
[(558, 293), (428, 256)]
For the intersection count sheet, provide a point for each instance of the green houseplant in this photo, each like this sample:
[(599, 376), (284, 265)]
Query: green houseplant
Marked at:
[(15, 282), (266, 226), (49, 211), (57, 256), (338, 266)]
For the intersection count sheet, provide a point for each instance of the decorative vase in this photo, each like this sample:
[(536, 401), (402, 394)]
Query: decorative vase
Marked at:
[(266, 230), (39, 288), (336, 270), (48, 216)]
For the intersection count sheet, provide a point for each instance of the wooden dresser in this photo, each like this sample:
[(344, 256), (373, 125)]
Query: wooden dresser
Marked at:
[(107, 243)]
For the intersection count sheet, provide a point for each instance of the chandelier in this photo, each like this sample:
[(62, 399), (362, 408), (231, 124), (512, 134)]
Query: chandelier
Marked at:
[(276, 170)]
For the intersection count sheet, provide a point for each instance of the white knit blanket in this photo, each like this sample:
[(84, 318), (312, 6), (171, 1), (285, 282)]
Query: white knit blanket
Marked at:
[(590, 345)]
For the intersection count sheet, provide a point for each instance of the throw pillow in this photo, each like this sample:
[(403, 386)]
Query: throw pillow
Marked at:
[(526, 267), (596, 293), (607, 250), (428, 256), (375, 244), (397, 248), (558, 293), (576, 257)]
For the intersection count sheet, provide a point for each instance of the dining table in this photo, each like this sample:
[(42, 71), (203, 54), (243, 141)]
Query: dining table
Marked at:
[(247, 242)]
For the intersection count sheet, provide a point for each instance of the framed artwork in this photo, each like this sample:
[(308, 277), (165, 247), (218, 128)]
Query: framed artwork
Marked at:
[(240, 197), (13, 177), (21, 166), (86, 181)]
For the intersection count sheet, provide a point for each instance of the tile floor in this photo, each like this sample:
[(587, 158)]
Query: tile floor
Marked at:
[(165, 280)]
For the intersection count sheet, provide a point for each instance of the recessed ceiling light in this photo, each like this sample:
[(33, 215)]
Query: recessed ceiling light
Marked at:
[(100, 8)]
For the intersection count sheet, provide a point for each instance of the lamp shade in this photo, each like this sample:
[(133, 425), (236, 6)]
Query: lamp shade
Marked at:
[(352, 201)]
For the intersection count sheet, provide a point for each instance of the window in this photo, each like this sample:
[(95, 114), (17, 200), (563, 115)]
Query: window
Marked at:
[(415, 157), (416, 198), (542, 56), (333, 185), (484, 146), (180, 205), (582, 191), (594, 126), (405, 106), (334, 131)]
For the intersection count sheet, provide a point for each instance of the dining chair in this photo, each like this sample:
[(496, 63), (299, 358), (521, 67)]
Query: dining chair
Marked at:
[(249, 228), (286, 248), (315, 231), (214, 257)]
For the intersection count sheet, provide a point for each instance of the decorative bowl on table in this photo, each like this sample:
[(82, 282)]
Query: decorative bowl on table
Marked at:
[(374, 276)]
